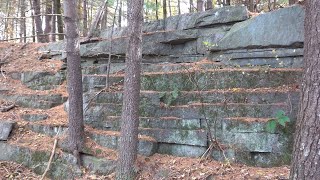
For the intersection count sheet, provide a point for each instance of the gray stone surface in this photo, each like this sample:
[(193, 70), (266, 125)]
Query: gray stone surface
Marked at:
[(42, 80), (181, 150), (177, 136), (36, 101), (283, 27), (145, 147), (99, 165), (62, 167), (5, 129), (34, 117)]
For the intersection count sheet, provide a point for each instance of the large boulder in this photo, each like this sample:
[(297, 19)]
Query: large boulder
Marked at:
[(281, 28)]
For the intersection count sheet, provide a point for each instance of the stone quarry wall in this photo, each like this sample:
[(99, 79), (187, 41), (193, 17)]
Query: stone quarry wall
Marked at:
[(226, 35)]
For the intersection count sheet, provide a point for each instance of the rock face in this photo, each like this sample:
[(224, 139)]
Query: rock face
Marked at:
[(281, 28), (5, 129), (251, 71)]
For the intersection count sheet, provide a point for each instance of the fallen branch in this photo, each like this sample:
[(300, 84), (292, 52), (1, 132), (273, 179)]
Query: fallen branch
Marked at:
[(7, 108), (52, 153)]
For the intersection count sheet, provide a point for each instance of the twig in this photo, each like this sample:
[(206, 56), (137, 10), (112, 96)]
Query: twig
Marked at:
[(52, 154), (2, 72)]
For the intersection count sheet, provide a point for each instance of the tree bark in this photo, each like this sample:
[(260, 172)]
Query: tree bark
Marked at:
[(74, 79), (164, 9), (48, 19), (54, 18), (33, 28), (227, 3), (200, 5), (306, 152), (37, 18), (85, 18), (191, 6), (130, 109), (120, 13), (209, 5), (157, 16), (23, 29), (179, 7), (169, 3), (291, 2), (59, 20)]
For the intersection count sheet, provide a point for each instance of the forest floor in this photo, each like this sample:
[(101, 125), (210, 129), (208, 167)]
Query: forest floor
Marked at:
[(20, 57)]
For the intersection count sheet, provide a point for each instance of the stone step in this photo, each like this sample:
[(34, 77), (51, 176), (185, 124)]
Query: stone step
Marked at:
[(109, 139), (113, 123), (147, 67), (203, 80), (194, 111), (236, 95), (36, 101)]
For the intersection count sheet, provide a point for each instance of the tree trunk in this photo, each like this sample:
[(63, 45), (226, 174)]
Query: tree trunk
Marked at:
[(191, 6), (33, 28), (179, 7), (6, 25), (23, 29), (200, 5), (120, 13), (209, 5), (306, 156), (97, 19), (85, 18), (130, 109), (74, 79), (157, 16), (251, 6), (227, 3), (169, 3), (54, 18), (48, 19), (38, 21), (164, 9), (291, 2), (59, 20)]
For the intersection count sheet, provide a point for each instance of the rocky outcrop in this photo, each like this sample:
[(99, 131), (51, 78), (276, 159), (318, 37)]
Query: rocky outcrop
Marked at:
[(281, 28)]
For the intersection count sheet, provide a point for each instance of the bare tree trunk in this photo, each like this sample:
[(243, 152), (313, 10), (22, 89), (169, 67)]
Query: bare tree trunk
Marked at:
[(157, 16), (200, 5), (85, 18), (179, 7), (120, 13), (169, 3), (74, 79), (291, 2), (130, 109), (38, 21), (306, 156), (227, 3), (48, 19), (23, 29), (97, 19), (164, 9), (251, 5), (6, 24), (54, 18), (209, 5), (59, 20), (33, 23), (191, 6)]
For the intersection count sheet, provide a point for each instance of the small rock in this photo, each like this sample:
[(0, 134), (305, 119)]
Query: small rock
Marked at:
[(5, 129)]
